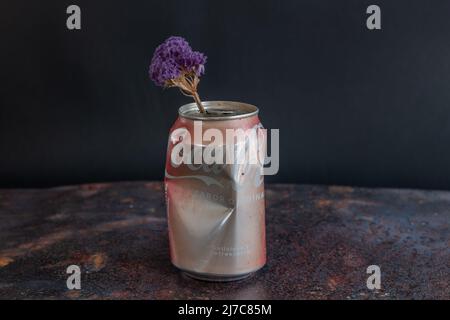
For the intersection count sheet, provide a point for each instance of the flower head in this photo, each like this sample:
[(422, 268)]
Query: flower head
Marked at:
[(173, 59)]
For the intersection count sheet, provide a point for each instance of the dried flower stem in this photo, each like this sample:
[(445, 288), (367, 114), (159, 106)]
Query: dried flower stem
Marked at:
[(198, 102), (188, 83)]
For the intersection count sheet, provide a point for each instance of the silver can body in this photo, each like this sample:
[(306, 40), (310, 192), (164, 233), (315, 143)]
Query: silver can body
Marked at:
[(216, 211)]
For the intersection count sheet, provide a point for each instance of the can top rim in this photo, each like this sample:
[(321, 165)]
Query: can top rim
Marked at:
[(218, 110)]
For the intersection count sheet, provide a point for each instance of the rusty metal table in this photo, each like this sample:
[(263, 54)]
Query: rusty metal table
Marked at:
[(320, 241)]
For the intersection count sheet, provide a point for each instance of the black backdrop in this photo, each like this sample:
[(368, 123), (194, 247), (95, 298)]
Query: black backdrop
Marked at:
[(353, 106)]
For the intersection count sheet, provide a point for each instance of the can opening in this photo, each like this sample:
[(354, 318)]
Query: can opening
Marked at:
[(218, 110)]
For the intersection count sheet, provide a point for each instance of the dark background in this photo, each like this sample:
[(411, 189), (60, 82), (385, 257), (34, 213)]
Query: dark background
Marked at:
[(353, 106)]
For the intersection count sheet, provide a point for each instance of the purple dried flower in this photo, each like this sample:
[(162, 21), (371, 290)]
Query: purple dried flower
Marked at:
[(175, 58), (174, 64)]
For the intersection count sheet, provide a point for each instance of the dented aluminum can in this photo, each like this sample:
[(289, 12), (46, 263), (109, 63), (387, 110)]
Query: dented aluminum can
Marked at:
[(216, 209)]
